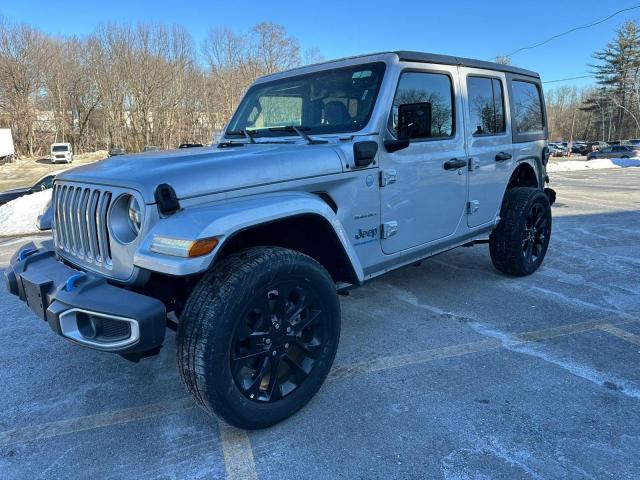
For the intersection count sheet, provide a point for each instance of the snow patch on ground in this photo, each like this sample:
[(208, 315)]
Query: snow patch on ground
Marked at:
[(586, 372), (19, 216), (598, 164)]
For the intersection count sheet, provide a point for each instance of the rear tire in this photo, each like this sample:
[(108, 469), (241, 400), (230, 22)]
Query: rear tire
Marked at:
[(519, 243), (258, 336)]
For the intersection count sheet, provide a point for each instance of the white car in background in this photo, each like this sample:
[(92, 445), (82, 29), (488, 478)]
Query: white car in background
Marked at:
[(61, 152), (7, 150)]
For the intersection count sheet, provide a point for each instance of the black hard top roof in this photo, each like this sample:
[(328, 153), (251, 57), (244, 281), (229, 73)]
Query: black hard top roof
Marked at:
[(423, 57), (409, 56)]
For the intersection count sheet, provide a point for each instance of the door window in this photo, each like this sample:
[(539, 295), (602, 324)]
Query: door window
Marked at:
[(434, 88), (486, 105), (527, 107)]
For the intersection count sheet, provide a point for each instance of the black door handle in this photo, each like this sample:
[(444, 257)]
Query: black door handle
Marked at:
[(454, 164), (503, 156)]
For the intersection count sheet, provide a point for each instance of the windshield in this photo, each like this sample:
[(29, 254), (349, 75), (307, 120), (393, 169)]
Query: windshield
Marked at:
[(60, 148), (329, 101)]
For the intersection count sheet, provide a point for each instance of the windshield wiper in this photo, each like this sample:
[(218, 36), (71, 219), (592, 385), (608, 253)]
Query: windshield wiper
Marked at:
[(300, 131), (230, 144), (247, 134)]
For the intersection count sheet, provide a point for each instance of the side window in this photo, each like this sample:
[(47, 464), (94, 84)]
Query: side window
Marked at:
[(434, 88), (527, 107), (486, 105)]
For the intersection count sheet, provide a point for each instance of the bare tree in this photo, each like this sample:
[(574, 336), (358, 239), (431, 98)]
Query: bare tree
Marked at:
[(23, 58), (131, 85)]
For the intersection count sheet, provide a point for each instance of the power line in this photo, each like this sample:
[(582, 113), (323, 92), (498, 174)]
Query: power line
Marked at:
[(568, 78), (582, 27)]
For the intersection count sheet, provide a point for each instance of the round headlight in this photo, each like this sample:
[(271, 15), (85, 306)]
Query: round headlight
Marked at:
[(125, 219), (135, 215)]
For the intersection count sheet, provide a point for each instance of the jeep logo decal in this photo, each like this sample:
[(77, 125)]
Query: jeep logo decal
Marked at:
[(371, 233)]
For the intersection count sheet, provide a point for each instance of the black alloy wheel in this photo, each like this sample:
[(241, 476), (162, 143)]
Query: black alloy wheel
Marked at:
[(276, 345), (535, 233)]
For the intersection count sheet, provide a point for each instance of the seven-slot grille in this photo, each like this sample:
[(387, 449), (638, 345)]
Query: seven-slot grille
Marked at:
[(81, 223)]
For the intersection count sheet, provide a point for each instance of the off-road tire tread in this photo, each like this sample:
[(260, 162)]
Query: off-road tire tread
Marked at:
[(214, 293), (505, 242)]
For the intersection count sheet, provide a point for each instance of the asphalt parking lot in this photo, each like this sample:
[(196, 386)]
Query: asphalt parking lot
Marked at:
[(447, 370)]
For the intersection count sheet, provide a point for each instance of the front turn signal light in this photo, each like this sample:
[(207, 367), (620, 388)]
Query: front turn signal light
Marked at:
[(202, 247), (183, 248)]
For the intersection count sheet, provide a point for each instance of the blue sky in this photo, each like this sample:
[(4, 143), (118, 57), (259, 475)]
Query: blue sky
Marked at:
[(479, 29)]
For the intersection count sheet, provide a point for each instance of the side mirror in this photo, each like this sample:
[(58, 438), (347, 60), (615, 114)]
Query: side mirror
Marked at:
[(364, 153), (414, 121)]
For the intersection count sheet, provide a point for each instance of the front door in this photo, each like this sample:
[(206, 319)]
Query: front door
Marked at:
[(423, 187), (489, 142)]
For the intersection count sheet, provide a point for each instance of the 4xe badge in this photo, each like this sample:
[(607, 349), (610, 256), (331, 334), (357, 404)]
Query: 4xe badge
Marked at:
[(367, 235)]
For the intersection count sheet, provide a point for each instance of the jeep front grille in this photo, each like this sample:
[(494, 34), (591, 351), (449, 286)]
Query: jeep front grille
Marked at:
[(80, 214)]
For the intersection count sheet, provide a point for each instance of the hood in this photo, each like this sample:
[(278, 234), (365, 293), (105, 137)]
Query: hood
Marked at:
[(201, 171), (13, 191), (9, 195)]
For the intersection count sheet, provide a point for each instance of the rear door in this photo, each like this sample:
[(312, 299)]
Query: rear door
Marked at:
[(489, 142)]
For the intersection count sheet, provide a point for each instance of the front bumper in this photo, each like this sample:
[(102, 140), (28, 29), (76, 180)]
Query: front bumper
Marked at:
[(83, 307)]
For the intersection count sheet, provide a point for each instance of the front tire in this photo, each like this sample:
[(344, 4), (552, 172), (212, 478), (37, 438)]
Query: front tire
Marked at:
[(258, 336), (519, 243)]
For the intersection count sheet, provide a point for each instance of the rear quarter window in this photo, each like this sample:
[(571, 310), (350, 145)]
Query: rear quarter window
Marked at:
[(527, 107)]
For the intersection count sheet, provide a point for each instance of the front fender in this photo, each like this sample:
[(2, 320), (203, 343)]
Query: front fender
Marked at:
[(224, 218)]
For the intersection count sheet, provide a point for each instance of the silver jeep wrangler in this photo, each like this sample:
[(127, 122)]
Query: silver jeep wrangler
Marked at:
[(327, 176)]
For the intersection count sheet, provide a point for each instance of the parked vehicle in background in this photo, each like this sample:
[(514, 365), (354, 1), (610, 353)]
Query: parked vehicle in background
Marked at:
[(151, 148), (555, 150), (634, 142), (591, 147), (328, 175), (61, 153), (558, 150), (576, 147), (115, 151), (7, 150), (44, 183), (190, 145), (616, 151)]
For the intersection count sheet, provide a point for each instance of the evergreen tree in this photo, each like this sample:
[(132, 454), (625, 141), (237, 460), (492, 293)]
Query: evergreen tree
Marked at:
[(617, 74)]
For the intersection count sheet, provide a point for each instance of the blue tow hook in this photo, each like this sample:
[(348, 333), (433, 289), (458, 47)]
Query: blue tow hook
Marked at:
[(71, 281), (25, 253)]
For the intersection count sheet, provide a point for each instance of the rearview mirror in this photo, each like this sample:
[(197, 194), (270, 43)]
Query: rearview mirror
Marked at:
[(414, 121)]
